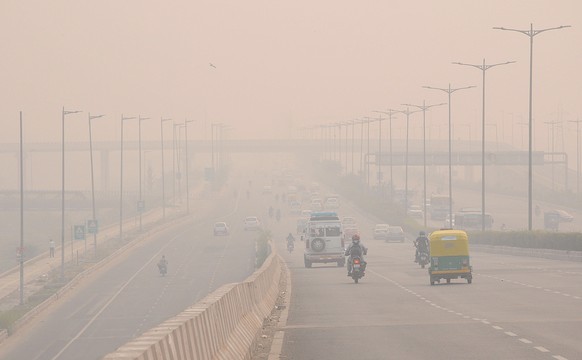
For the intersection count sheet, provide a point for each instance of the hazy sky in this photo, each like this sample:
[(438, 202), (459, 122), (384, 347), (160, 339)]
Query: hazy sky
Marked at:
[(279, 65)]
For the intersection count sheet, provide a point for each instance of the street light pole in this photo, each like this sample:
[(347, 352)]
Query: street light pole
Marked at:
[(484, 67), (186, 122), (141, 204), (407, 112), (64, 113), (390, 112), (423, 108), (577, 154), (531, 33), (162, 120), (449, 91), (93, 181), (21, 248), (121, 181)]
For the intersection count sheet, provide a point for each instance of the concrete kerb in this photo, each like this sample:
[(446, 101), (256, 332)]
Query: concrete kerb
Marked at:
[(223, 325), (42, 306)]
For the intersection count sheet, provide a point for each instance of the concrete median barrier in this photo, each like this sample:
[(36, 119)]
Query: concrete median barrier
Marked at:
[(223, 325)]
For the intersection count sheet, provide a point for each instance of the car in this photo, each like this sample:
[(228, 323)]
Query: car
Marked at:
[(395, 233), (316, 205), (348, 220), (295, 208), (381, 231), (415, 211), (349, 231), (331, 203), (220, 228), (267, 189), (252, 223)]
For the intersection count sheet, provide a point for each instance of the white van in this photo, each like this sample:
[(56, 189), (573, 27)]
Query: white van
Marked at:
[(323, 239)]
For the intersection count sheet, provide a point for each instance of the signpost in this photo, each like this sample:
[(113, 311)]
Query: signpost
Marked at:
[(79, 232), (92, 226)]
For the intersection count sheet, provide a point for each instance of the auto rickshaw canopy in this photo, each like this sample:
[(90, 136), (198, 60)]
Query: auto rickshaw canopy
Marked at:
[(449, 243)]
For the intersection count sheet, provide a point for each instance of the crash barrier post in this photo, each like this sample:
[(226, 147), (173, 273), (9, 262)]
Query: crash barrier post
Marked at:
[(223, 325)]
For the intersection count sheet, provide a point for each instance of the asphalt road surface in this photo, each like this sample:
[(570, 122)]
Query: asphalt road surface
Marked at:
[(128, 296), (516, 308)]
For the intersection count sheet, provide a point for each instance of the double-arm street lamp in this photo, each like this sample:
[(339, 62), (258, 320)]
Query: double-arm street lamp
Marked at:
[(141, 205), (531, 33), (390, 112), (449, 91), (64, 113), (407, 112), (186, 122), (162, 121), (123, 119), (423, 108), (93, 181), (483, 67)]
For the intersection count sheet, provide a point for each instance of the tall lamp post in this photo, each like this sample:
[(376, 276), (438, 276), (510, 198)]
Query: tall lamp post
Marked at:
[(483, 67), (449, 91), (162, 121), (123, 118), (530, 33), (141, 205), (21, 249), (407, 112), (186, 122), (577, 154), (64, 113), (423, 108), (390, 112), (93, 181)]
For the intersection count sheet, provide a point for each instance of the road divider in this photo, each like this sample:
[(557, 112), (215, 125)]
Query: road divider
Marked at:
[(540, 253), (223, 325)]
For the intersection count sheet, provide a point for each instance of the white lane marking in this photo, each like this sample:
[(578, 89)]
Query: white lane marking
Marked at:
[(147, 264), (486, 322), (525, 341), (510, 333), (541, 348), (558, 357), (577, 297), (497, 327)]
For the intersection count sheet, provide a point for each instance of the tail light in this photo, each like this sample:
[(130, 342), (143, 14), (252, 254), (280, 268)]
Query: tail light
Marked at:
[(356, 261)]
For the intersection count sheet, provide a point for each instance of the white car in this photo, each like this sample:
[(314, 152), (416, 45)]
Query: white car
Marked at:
[(415, 211), (252, 223), (381, 231), (331, 203), (220, 228)]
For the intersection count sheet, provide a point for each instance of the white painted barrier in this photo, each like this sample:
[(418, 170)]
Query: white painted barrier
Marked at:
[(224, 325)]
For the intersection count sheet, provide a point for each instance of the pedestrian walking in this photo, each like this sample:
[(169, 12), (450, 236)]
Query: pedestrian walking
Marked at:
[(52, 248)]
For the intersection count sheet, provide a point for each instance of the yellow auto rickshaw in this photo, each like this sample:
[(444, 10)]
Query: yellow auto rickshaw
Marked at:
[(449, 256)]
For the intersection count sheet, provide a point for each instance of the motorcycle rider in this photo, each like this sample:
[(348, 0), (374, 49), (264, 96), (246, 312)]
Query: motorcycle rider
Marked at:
[(356, 248), (421, 244), (278, 214), (163, 263)]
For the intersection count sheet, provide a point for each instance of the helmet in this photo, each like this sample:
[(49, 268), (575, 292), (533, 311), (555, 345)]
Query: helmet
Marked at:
[(356, 238), (422, 233)]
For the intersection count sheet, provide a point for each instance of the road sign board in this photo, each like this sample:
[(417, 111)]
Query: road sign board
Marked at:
[(140, 205), (92, 226), (79, 231)]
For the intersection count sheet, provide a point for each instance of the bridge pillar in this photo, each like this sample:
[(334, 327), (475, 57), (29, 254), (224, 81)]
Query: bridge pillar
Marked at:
[(104, 157)]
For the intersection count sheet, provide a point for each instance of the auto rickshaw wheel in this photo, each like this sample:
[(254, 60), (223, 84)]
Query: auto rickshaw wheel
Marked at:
[(469, 280), (448, 281), (431, 281)]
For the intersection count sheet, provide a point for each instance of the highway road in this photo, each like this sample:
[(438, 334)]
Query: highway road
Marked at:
[(516, 308), (128, 296)]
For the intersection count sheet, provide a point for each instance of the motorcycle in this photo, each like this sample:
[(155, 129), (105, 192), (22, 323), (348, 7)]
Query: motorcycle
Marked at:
[(163, 269), (423, 259), (358, 268)]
